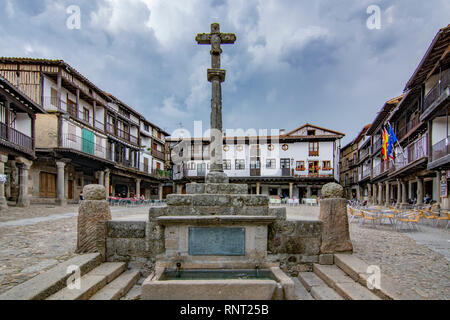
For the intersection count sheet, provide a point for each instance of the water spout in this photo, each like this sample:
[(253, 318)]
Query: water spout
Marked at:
[(257, 270), (178, 273)]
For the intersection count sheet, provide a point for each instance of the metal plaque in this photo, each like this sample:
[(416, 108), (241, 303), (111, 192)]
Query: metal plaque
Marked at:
[(216, 241)]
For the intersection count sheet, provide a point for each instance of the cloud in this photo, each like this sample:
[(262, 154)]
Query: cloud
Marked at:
[(294, 61)]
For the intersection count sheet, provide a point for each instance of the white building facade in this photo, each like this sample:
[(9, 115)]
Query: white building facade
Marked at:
[(294, 165)]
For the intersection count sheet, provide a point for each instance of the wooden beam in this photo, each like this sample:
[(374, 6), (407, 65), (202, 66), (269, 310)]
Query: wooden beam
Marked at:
[(436, 65)]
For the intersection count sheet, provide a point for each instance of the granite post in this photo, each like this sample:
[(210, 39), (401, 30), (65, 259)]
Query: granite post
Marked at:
[(93, 214), (333, 214)]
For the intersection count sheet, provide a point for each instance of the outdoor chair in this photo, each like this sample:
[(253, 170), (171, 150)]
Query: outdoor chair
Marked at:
[(446, 218), (389, 217), (411, 219), (367, 217), (428, 215), (354, 214)]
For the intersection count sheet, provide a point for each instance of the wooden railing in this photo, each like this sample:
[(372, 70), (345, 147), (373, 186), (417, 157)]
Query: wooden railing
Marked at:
[(16, 137), (158, 154), (437, 90), (440, 149)]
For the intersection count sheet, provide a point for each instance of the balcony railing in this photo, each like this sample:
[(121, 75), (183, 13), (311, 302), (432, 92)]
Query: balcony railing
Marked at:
[(363, 153), (158, 154), (440, 149), (383, 167), (75, 142), (414, 122), (437, 90), (157, 173), (364, 174), (415, 151), (376, 146), (110, 128), (18, 138)]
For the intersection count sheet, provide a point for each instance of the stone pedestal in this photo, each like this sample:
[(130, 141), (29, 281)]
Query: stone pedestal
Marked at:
[(93, 214), (333, 214), (335, 234)]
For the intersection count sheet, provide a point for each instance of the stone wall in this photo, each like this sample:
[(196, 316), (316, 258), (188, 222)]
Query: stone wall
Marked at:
[(135, 242), (295, 244)]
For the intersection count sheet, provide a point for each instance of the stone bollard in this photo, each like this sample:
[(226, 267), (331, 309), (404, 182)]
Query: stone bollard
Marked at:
[(93, 214), (333, 214)]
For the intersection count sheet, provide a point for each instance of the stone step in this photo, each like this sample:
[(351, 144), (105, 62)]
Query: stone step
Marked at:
[(53, 280), (300, 291), (342, 283), (318, 289), (357, 269), (134, 293), (119, 287), (92, 282)]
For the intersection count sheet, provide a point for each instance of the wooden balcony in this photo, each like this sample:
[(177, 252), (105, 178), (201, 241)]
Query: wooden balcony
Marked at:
[(440, 149), (119, 133), (16, 139), (437, 90), (158, 154)]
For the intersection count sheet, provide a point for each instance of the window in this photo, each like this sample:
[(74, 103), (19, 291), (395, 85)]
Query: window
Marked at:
[(146, 127), (98, 144), (72, 133), (313, 167), (300, 166), (271, 164), (240, 164), (311, 132), (313, 149), (326, 165), (191, 166), (226, 164), (285, 163), (86, 114), (54, 97)]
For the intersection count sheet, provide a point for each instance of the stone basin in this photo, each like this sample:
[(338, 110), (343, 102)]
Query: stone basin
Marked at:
[(218, 284)]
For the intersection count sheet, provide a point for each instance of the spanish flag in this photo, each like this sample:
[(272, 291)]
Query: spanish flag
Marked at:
[(384, 150)]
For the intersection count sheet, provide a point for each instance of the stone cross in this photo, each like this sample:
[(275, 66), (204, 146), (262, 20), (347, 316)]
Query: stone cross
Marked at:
[(216, 76)]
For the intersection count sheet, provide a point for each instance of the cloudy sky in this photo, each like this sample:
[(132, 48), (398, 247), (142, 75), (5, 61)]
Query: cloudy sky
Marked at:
[(295, 61)]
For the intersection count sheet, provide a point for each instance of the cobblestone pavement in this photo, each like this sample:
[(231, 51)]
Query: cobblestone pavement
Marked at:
[(28, 249), (412, 265)]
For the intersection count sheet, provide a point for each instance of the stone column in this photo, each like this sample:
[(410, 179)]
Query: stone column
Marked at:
[(3, 202), (404, 194), (23, 201), (258, 188), (410, 195), (60, 198), (399, 192), (374, 194), (437, 186), (138, 187), (309, 192), (160, 191), (291, 187), (369, 193), (107, 174), (380, 194), (101, 178), (420, 191), (388, 194)]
